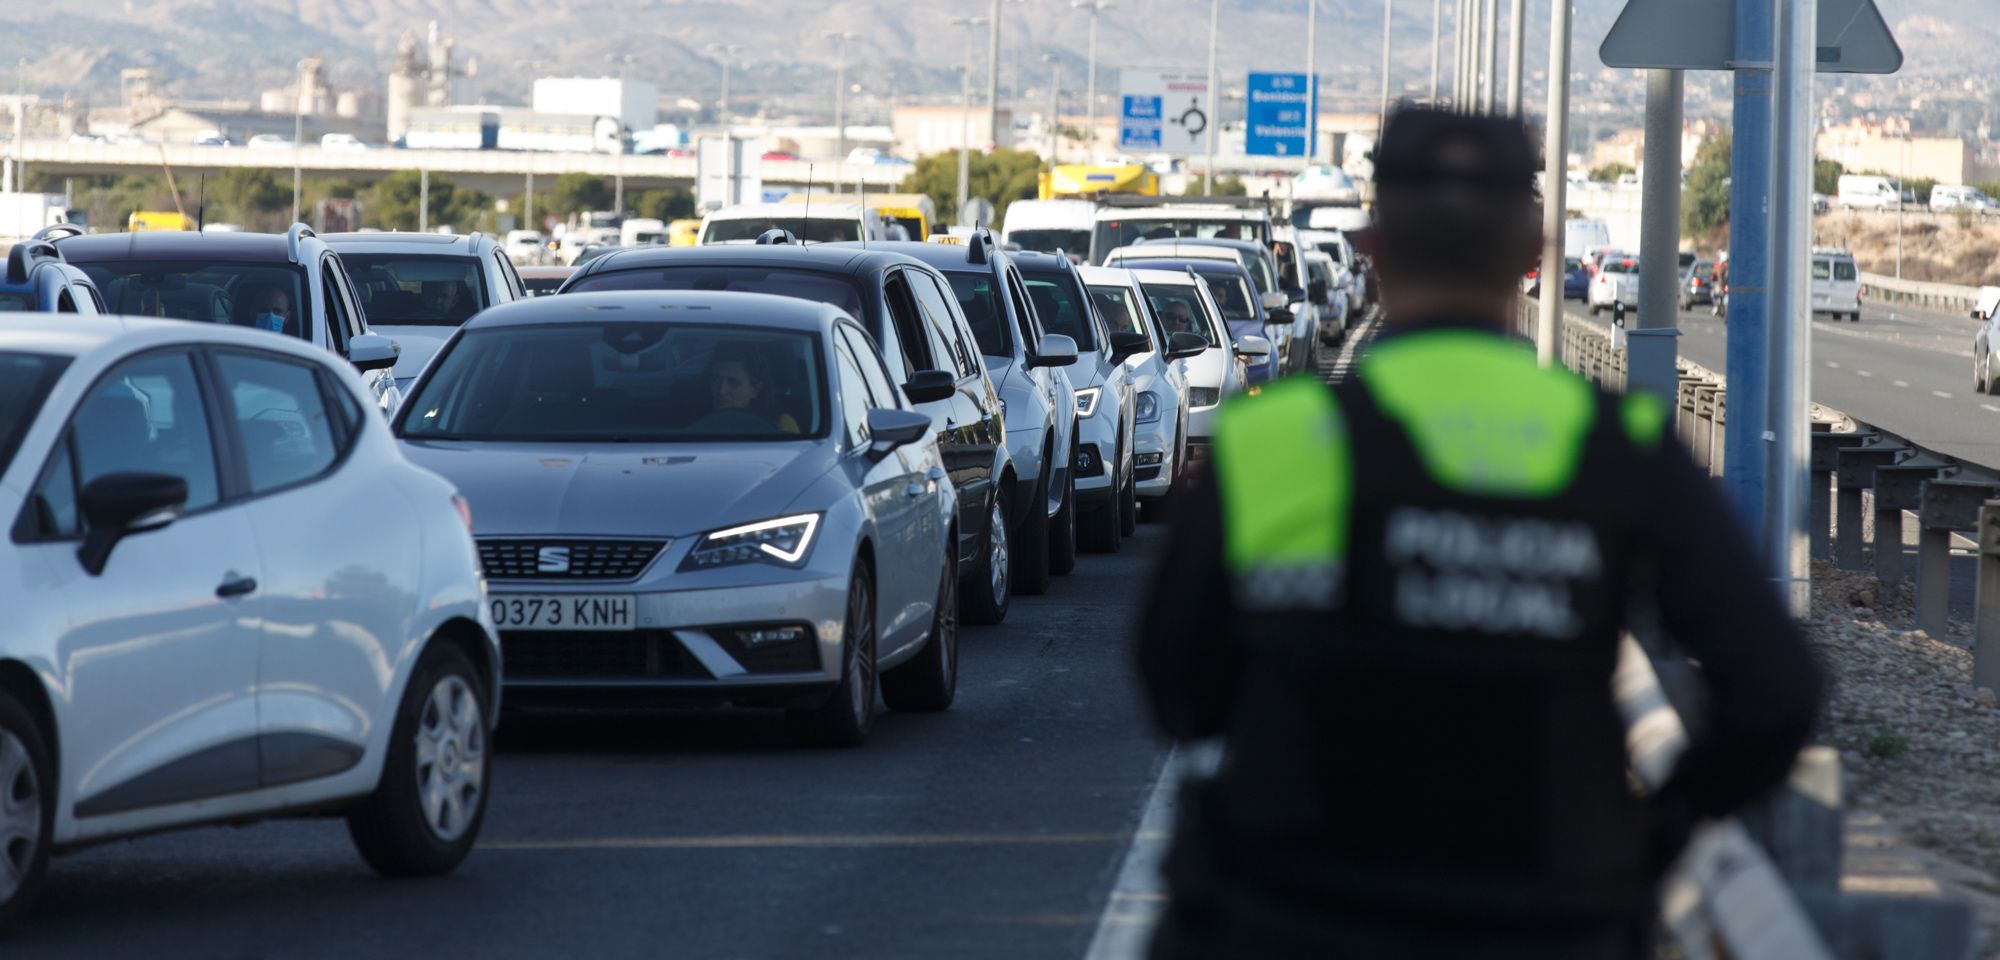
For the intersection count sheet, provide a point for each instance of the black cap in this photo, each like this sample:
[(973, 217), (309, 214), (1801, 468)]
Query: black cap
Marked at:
[(1429, 148)]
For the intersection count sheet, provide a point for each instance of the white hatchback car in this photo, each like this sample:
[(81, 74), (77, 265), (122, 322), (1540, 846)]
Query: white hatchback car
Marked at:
[(1159, 382), (1614, 285), (228, 597), (1185, 305)]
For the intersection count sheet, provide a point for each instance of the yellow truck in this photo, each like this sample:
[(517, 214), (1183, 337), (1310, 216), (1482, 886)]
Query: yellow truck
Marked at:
[(1084, 181), (145, 220), (914, 212)]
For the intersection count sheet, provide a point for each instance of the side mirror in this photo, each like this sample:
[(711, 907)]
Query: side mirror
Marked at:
[(1129, 344), (372, 351), (889, 429), (1183, 345), (1279, 317), (118, 505), (1275, 300), (1316, 292), (929, 386), (1055, 350), (1253, 349)]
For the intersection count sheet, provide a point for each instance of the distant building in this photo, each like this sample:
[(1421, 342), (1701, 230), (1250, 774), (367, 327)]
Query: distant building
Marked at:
[(924, 130), (1888, 147), (635, 104)]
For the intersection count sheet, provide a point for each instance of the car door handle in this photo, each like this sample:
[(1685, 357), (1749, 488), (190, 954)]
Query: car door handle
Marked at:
[(236, 587)]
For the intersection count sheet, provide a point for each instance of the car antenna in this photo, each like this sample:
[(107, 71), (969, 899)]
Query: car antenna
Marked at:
[(201, 203), (805, 219)]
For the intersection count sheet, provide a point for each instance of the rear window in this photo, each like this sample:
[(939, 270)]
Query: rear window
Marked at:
[(1232, 295), (1843, 270), (834, 289), (1059, 307), (15, 301), (1052, 240), (399, 289), (261, 295), (1822, 270), (747, 229), (1179, 310), (979, 298)]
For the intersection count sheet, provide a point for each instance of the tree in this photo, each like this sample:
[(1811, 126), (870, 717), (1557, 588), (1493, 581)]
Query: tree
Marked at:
[(578, 192), (1705, 202), (1230, 187), (671, 203), (1002, 177), (1826, 176), (1610, 172), (392, 203), (251, 196)]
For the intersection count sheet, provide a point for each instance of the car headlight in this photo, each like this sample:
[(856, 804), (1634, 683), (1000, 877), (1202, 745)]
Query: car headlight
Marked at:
[(1204, 396), (783, 540), (1149, 408), (1086, 401)]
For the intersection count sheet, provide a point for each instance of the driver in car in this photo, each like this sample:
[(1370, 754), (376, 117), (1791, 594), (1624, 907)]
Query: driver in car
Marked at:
[(739, 380)]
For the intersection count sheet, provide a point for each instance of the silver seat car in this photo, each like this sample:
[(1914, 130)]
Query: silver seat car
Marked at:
[(698, 498)]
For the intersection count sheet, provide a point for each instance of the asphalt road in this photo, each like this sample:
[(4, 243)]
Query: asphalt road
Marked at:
[(1906, 371), (993, 830)]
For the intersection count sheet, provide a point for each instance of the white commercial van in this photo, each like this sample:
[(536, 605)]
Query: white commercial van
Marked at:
[(1957, 196), (1860, 191), (1046, 226), (1836, 283), (1581, 236), (815, 222)]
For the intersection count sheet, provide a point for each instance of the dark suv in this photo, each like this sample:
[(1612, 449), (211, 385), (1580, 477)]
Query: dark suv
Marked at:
[(290, 285), (910, 311), (38, 281)]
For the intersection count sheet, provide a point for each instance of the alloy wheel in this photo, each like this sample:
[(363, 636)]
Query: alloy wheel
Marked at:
[(451, 758), (860, 655), (20, 814), (996, 551)]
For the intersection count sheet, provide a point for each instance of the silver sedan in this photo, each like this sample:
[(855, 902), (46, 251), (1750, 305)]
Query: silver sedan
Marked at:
[(698, 498)]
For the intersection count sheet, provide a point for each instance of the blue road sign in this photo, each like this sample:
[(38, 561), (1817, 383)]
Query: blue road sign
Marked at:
[(1279, 119), (1139, 122)]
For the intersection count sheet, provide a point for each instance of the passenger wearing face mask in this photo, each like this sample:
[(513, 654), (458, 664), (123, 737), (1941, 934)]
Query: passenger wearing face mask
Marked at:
[(266, 307)]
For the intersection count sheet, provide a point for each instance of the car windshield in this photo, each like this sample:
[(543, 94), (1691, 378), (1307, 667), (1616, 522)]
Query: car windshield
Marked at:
[(1572, 264), (18, 301), (25, 379), (1232, 295), (261, 295), (833, 289), (620, 382), (746, 229), (1115, 304), (399, 289), (1179, 308), (1114, 233), (980, 300), (1052, 240), (1059, 307)]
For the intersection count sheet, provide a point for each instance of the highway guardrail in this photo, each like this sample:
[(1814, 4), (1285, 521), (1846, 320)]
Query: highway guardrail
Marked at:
[(1949, 297)]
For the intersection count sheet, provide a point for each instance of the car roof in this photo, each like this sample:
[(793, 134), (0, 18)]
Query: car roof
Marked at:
[(1032, 260), (78, 335), (1169, 250), (545, 272), (395, 242), (1202, 266), (1119, 275), (813, 211), (1205, 211), (940, 256), (1218, 242), (750, 309), (1178, 277), (852, 259), (176, 245)]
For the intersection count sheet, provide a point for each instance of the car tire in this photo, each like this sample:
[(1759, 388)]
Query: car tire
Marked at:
[(1128, 507), (927, 682), (1101, 528), (1062, 529), (1031, 564), (985, 595), (1595, 309), (848, 713), (443, 708), (27, 811), (1854, 317)]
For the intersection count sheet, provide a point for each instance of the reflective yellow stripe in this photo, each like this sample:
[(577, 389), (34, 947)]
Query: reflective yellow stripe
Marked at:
[(1284, 470)]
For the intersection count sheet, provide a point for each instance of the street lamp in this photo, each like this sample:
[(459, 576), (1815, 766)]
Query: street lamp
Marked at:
[(623, 60), (1090, 84), (840, 39), (1208, 169), (1388, 14), (298, 133), (728, 52), (965, 111), (1055, 109)]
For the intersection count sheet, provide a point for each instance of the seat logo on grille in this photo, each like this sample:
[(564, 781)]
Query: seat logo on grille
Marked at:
[(552, 560)]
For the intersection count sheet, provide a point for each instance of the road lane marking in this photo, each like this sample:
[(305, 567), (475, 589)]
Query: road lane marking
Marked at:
[(1988, 406), (1941, 393), (1863, 373), (1900, 383), (740, 841), (1139, 895), (1834, 364)]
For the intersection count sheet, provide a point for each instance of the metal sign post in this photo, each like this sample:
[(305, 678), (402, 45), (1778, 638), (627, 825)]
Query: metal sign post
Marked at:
[(1785, 519), (1650, 352)]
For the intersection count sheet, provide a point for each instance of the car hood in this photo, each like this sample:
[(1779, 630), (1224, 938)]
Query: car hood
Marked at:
[(419, 345), (623, 490)]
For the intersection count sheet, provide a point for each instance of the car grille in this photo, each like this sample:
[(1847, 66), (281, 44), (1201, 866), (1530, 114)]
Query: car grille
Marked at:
[(557, 559), (590, 655), (1147, 473), (1203, 396)]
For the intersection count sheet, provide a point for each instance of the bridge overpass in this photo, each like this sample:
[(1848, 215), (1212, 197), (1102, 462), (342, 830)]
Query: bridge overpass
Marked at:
[(493, 171)]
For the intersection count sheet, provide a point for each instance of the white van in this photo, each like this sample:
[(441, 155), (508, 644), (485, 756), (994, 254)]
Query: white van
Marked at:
[(1957, 196), (1045, 226), (1581, 236), (1860, 191), (813, 222), (642, 232), (1836, 284)]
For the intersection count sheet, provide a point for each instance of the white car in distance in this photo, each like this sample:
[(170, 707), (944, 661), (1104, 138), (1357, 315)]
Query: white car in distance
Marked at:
[(228, 597)]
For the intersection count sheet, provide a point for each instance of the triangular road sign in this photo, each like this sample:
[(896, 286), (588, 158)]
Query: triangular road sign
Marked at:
[(1701, 35)]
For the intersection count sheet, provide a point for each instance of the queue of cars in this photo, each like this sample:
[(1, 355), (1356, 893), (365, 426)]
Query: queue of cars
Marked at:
[(296, 519)]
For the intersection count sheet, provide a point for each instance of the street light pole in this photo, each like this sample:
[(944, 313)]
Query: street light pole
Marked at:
[(1090, 74), (840, 92), (1555, 153), (1214, 119), (965, 111), (993, 76), (298, 133), (728, 52), (1517, 50), (1437, 44), (1055, 110), (1312, 80), (1388, 14)]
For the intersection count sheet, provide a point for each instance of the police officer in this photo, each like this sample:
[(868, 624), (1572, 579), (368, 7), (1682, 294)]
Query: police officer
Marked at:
[(1397, 601)]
